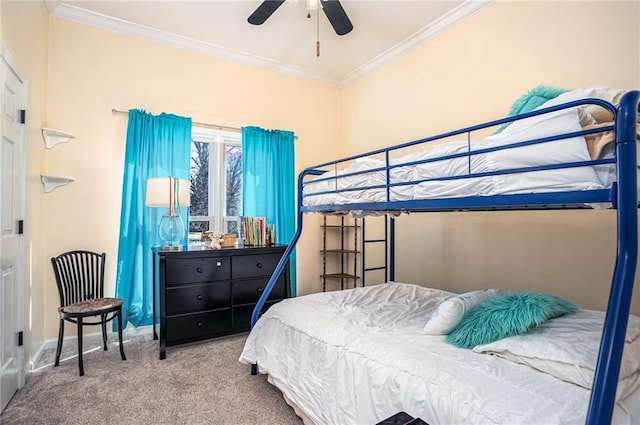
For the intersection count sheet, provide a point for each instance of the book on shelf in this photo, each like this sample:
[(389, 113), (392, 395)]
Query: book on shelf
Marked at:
[(257, 232)]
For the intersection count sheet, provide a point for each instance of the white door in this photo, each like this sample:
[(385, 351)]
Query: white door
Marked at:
[(12, 101)]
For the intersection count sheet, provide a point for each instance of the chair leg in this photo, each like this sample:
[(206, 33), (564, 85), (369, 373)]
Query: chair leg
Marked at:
[(104, 331), (60, 338), (119, 318), (80, 365)]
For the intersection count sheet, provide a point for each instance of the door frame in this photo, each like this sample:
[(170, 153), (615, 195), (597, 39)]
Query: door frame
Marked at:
[(6, 57)]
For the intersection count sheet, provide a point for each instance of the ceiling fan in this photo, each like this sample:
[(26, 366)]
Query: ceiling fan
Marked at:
[(332, 8)]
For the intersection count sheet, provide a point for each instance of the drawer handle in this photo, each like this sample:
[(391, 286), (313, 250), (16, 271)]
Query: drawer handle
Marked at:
[(259, 265), (200, 324), (260, 290), (199, 297), (199, 269), (219, 264)]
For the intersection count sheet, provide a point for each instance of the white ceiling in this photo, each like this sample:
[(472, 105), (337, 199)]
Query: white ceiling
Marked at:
[(286, 42)]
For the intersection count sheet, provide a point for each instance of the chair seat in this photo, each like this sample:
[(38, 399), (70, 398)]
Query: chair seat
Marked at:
[(95, 305)]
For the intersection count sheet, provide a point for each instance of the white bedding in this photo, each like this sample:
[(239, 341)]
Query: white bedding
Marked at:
[(359, 356), (567, 348), (556, 152)]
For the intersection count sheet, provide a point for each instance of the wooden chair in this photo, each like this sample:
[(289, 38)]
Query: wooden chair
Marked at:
[(80, 279)]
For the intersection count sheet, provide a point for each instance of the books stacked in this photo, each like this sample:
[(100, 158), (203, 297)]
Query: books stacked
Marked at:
[(257, 232)]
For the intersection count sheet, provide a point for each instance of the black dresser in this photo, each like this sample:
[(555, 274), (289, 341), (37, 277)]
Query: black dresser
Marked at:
[(206, 293)]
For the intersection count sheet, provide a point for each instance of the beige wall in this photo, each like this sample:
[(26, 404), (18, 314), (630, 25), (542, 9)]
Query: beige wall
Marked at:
[(93, 71), (25, 35), (472, 73), (77, 74)]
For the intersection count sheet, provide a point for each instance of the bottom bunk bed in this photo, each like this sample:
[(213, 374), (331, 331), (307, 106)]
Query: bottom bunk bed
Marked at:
[(361, 355)]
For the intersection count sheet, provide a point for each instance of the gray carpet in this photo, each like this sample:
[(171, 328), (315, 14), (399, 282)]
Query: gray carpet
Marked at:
[(201, 383)]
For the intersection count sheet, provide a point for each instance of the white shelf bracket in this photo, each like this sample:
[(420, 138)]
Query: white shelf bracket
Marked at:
[(51, 182), (52, 137)]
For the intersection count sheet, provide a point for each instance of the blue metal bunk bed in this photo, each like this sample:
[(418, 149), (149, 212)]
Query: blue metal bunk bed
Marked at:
[(622, 196)]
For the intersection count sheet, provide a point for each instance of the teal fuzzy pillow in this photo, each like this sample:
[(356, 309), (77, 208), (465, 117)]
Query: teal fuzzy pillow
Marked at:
[(531, 100), (507, 315)]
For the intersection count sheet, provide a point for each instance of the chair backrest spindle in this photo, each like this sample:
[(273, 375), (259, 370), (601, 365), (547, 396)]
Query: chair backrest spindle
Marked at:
[(79, 276)]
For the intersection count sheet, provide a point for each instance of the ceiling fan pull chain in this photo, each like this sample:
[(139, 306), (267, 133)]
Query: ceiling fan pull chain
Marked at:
[(318, 36)]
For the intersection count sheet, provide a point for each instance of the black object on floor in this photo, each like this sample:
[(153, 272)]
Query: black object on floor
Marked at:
[(402, 418)]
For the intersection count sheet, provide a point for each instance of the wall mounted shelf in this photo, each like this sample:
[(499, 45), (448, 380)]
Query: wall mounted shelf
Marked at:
[(51, 182), (52, 137)]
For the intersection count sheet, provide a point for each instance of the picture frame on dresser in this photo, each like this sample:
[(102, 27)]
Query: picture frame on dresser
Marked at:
[(207, 293)]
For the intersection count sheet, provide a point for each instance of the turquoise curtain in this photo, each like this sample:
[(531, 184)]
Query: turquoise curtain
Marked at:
[(156, 146), (268, 186)]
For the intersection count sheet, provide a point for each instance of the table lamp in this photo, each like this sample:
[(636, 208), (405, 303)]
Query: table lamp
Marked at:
[(171, 193)]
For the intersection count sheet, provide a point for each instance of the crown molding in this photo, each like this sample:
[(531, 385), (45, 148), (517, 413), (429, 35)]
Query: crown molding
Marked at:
[(76, 14), (121, 26), (51, 5), (446, 21)]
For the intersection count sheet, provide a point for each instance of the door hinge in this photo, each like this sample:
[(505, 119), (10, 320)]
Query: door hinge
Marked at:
[(23, 116), (20, 339), (20, 227)]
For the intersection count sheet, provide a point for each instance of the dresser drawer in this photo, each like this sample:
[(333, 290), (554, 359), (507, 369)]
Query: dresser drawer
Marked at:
[(195, 326), (242, 316), (254, 265), (248, 291), (190, 298), (194, 270)]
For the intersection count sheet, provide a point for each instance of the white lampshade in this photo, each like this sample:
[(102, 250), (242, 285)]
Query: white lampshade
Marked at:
[(161, 191)]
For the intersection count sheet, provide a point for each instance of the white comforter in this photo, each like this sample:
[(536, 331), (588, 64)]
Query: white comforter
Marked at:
[(563, 151), (359, 356)]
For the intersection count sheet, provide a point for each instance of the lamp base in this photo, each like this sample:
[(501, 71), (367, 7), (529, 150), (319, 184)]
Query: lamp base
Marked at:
[(171, 248), (171, 232)]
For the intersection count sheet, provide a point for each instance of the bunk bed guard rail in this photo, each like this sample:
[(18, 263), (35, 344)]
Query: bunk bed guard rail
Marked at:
[(622, 195)]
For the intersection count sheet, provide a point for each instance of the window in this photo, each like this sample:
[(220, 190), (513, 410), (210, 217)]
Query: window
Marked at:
[(216, 181)]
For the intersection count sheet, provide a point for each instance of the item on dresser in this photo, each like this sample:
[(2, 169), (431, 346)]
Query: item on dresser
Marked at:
[(228, 241), (212, 239)]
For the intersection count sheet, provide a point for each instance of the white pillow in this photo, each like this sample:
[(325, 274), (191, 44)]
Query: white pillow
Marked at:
[(567, 348), (598, 92), (555, 152), (450, 312)]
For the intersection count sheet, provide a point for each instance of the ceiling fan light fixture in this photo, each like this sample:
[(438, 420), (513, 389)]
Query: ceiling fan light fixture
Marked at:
[(332, 9)]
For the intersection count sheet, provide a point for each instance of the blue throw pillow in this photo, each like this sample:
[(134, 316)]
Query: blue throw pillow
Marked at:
[(507, 315), (531, 100)]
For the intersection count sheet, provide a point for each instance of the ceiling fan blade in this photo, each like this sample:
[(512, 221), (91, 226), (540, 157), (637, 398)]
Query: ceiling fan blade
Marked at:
[(262, 13), (337, 16)]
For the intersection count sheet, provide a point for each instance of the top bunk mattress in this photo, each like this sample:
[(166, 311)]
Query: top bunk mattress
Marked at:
[(522, 159), (358, 356)]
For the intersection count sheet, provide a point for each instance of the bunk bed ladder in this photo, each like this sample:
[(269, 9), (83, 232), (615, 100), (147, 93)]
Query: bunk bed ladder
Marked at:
[(388, 241), (366, 242)]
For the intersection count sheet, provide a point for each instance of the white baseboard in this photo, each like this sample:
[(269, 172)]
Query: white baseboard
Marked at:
[(72, 341), (35, 359)]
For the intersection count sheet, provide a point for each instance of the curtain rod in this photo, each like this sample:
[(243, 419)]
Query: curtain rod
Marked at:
[(197, 124)]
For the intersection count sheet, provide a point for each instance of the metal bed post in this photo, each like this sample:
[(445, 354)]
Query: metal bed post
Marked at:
[(392, 248), (355, 253), (324, 254), (281, 263), (363, 269), (605, 382)]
